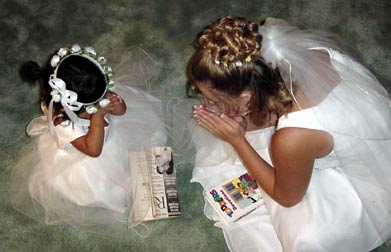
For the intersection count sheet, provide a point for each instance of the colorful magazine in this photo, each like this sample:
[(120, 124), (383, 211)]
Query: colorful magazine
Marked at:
[(235, 198)]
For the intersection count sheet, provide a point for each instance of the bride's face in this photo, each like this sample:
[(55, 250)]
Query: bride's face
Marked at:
[(220, 102)]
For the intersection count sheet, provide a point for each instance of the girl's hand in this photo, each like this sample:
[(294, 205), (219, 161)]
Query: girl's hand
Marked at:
[(222, 126), (116, 105)]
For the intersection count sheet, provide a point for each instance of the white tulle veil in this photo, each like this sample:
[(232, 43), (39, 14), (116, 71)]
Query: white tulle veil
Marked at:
[(349, 102)]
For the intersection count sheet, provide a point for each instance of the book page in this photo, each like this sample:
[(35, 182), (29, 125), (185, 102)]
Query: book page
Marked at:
[(141, 188)]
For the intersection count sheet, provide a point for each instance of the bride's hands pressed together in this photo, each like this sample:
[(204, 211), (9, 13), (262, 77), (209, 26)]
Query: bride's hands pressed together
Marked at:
[(220, 125)]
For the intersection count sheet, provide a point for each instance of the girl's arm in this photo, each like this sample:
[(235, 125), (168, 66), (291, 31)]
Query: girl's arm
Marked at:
[(91, 144), (293, 152)]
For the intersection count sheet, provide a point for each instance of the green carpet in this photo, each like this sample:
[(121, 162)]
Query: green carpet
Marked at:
[(33, 29)]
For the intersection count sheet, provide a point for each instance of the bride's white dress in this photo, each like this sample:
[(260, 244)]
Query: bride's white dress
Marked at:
[(54, 183), (331, 216)]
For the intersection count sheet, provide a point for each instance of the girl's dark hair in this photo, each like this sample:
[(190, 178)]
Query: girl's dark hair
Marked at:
[(79, 73), (32, 73), (82, 76), (233, 40)]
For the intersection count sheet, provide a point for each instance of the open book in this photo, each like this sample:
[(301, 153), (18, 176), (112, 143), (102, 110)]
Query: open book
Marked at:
[(155, 191), (235, 198)]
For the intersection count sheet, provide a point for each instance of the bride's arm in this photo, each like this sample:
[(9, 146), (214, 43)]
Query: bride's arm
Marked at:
[(293, 152)]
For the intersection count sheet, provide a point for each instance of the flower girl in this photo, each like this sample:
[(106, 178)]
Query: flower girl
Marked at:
[(77, 169)]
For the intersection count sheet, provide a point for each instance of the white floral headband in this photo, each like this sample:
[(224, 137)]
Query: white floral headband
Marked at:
[(68, 98)]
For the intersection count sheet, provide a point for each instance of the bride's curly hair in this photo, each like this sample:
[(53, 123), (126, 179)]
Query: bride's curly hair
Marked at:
[(219, 48)]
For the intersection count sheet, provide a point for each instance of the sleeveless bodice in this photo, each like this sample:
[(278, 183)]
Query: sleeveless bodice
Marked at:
[(306, 118), (68, 131)]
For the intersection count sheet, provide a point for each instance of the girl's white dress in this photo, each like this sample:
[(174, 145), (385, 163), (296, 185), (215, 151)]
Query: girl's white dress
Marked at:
[(54, 183), (331, 216)]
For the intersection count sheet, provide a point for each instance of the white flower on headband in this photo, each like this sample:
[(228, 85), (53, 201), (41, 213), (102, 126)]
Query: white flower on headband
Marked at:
[(90, 50), (75, 48), (238, 63), (104, 102), (55, 60), (108, 71), (62, 52), (56, 96), (91, 109), (102, 60), (111, 85)]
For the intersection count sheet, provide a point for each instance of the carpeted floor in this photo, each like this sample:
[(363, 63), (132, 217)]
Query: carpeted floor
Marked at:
[(33, 29)]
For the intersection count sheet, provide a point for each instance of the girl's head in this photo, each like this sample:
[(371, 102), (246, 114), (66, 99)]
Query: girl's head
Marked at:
[(229, 74), (80, 70), (84, 77)]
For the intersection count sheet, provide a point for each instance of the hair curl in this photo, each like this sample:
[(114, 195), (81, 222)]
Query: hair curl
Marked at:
[(231, 40)]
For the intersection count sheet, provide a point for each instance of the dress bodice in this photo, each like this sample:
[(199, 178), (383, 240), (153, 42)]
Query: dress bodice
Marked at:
[(64, 133), (306, 118), (68, 131)]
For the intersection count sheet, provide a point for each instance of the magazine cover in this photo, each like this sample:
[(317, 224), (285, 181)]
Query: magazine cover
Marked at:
[(165, 196), (235, 198)]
